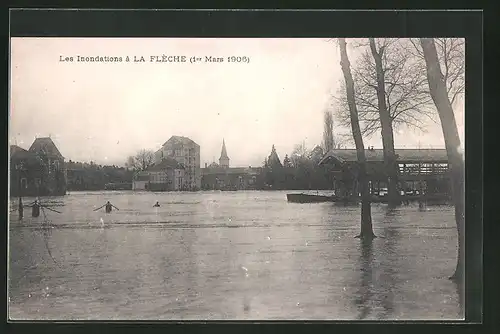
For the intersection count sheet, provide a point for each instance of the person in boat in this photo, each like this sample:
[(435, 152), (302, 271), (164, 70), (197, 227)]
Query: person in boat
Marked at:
[(21, 209), (422, 201), (157, 205), (35, 209), (108, 207)]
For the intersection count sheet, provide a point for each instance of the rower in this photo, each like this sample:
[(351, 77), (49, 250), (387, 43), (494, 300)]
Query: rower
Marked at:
[(21, 209), (109, 207), (157, 205), (35, 209)]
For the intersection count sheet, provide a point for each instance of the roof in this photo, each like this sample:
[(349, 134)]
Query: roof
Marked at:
[(141, 176), (14, 149), (223, 154), (180, 140), (46, 145), (17, 152), (166, 163), (409, 155)]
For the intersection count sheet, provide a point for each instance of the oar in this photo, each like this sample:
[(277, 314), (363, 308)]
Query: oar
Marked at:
[(115, 207), (100, 207), (51, 209)]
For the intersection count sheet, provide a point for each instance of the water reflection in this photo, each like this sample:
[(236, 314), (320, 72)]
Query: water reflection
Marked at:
[(365, 292), (461, 297), (301, 261), (378, 281), (388, 259)]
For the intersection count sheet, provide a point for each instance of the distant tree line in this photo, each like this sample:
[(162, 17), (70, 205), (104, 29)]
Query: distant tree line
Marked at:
[(91, 176), (300, 171)]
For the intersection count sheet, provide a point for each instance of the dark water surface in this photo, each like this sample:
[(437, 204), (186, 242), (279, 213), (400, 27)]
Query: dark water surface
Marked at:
[(229, 255)]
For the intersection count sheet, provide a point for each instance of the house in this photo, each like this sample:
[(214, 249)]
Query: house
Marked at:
[(140, 181), (186, 152), (167, 175), (25, 172), (39, 171)]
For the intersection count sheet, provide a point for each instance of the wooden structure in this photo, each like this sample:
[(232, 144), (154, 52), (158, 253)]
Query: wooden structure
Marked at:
[(420, 171)]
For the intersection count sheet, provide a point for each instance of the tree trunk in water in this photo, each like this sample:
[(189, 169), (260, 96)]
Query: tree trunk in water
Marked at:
[(452, 141), (386, 124), (366, 215)]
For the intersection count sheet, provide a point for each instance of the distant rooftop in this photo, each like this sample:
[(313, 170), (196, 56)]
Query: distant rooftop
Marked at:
[(223, 154), (409, 155), (17, 152), (16, 149), (47, 146), (166, 163), (176, 140)]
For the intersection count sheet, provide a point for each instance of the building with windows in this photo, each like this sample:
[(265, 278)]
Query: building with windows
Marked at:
[(223, 177), (187, 153), (39, 171), (166, 175)]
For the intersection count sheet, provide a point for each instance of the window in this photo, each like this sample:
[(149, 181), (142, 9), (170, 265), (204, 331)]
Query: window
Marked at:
[(21, 165), (24, 183)]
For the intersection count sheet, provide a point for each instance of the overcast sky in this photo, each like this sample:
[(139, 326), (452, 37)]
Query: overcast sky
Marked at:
[(107, 111)]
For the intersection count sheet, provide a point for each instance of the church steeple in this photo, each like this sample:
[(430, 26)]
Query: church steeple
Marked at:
[(224, 159)]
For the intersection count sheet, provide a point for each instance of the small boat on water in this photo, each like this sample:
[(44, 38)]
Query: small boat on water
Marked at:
[(436, 199), (305, 198)]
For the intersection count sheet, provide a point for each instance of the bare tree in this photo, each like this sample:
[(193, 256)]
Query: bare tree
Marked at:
[(392, 92), (451, 57), (440, 95), (299, 154), (385, 122), (366, 217), (406, 96), (141, 161)]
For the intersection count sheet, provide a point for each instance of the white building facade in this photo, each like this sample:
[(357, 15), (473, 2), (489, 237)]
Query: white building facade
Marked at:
[(186, 152)]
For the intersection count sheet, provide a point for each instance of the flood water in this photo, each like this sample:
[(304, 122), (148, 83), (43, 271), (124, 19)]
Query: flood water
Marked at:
[(229, 256)]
